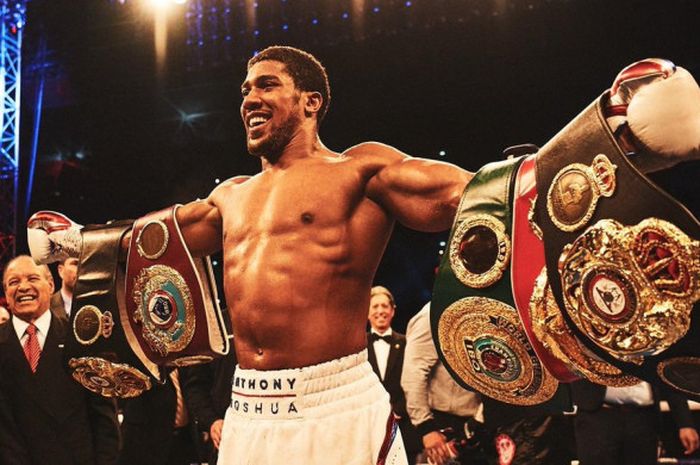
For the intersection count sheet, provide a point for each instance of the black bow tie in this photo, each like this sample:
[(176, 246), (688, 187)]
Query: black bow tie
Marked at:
[(375, 337)]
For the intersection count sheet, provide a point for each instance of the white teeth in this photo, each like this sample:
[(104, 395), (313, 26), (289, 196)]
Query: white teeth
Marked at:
[(256, 120), (25, 298)]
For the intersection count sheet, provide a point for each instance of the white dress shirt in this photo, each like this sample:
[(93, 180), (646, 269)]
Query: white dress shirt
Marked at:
[(67, 301), (639, 394), (426, 382), (42, 328), (381, 351)]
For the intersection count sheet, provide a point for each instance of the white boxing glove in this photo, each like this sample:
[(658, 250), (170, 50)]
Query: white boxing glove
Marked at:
[(53, 237), (659, 104)]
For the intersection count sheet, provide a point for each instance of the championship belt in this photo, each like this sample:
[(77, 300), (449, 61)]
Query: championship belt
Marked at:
[(559, 351), (475, 325), (98, 354), (622, 256), (171, 299)]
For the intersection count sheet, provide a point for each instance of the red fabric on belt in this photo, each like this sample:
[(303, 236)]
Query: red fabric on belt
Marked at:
[(528, 259)]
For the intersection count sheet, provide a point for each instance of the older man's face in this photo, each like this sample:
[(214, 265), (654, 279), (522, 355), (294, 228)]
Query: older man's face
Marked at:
[(26, 289)]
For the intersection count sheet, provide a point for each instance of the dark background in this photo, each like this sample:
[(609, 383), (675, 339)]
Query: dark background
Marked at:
[(468, 77)]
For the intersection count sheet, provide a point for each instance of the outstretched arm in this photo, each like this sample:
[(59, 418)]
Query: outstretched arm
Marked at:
[(54, 237), (421, 194), (201, 226)]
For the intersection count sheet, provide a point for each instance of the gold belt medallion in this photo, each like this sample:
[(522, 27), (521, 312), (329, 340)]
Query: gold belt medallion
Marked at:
[(483, 342), (575, 190), (479, 251), (551, 329), (631, 289), (109, 379), (164, 309)]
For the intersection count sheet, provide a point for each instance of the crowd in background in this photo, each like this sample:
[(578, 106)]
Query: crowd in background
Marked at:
[(47, 418)]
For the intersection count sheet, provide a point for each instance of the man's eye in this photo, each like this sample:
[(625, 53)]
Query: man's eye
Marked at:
[(245, 92)]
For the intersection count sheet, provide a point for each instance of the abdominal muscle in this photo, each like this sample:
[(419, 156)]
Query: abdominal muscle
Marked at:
[(294, 301)]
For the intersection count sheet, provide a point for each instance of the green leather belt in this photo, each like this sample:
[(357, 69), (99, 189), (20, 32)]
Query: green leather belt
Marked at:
[(475, 326)]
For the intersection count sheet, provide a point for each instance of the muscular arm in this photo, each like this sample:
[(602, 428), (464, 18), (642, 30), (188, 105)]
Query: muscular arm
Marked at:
[(421, 194), (200, 223)]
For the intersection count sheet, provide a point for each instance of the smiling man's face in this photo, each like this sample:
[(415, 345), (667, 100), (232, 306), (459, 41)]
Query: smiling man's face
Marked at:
[(270, 110), (26, 289)]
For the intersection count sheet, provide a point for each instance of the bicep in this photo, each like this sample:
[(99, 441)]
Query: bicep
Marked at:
[(201, 226), (421, 194)]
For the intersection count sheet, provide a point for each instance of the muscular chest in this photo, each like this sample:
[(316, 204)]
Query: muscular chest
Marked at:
[(294, 202)]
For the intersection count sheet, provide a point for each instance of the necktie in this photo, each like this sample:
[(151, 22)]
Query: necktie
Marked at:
[(375, 337), (32, 350), (181, 416)]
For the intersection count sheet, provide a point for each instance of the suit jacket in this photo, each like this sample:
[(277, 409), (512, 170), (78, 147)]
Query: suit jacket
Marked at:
[(57, 305), (207, 392), (589, 397), (392, 383), (207, 389), (148, 429), (392, 376), (46, 417)]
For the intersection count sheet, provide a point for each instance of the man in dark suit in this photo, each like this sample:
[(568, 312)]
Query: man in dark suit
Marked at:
[(620, 425), (156, 427), (207, 392), (62, 299), (45, 416), (386, 349)]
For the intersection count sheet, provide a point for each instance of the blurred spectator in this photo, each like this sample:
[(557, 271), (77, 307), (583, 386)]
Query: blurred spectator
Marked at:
[(156, 427), (207, 392), (624, 423), (4, 313), (434, 400), (62, 299)]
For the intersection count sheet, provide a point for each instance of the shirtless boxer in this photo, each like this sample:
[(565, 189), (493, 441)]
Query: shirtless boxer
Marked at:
[(302, 241)]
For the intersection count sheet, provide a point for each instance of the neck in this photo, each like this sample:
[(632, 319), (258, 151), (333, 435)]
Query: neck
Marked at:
[(305, 143)]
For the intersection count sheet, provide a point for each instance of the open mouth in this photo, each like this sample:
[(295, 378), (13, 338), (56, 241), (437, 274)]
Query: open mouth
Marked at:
[(26, 298), (256, 122)]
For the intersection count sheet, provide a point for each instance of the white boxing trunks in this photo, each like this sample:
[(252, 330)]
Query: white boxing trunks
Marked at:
[(333, 413)]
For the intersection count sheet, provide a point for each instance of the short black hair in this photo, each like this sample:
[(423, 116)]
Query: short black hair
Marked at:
[(306, 71)]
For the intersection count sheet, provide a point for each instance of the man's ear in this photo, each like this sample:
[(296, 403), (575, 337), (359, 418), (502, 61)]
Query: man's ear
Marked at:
[(313, 102)]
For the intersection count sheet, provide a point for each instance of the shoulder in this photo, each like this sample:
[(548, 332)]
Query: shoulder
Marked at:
[(58, 324), (375, 152), (56, 298), (228, 185)]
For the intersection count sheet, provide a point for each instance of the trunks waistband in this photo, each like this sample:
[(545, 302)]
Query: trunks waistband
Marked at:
[(302, 392)]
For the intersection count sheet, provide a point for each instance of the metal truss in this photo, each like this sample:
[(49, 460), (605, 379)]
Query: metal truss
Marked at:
[(12, 17)]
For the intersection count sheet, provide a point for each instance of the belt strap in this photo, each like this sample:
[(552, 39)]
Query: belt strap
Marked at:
[(475, 326), (98, 352)]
